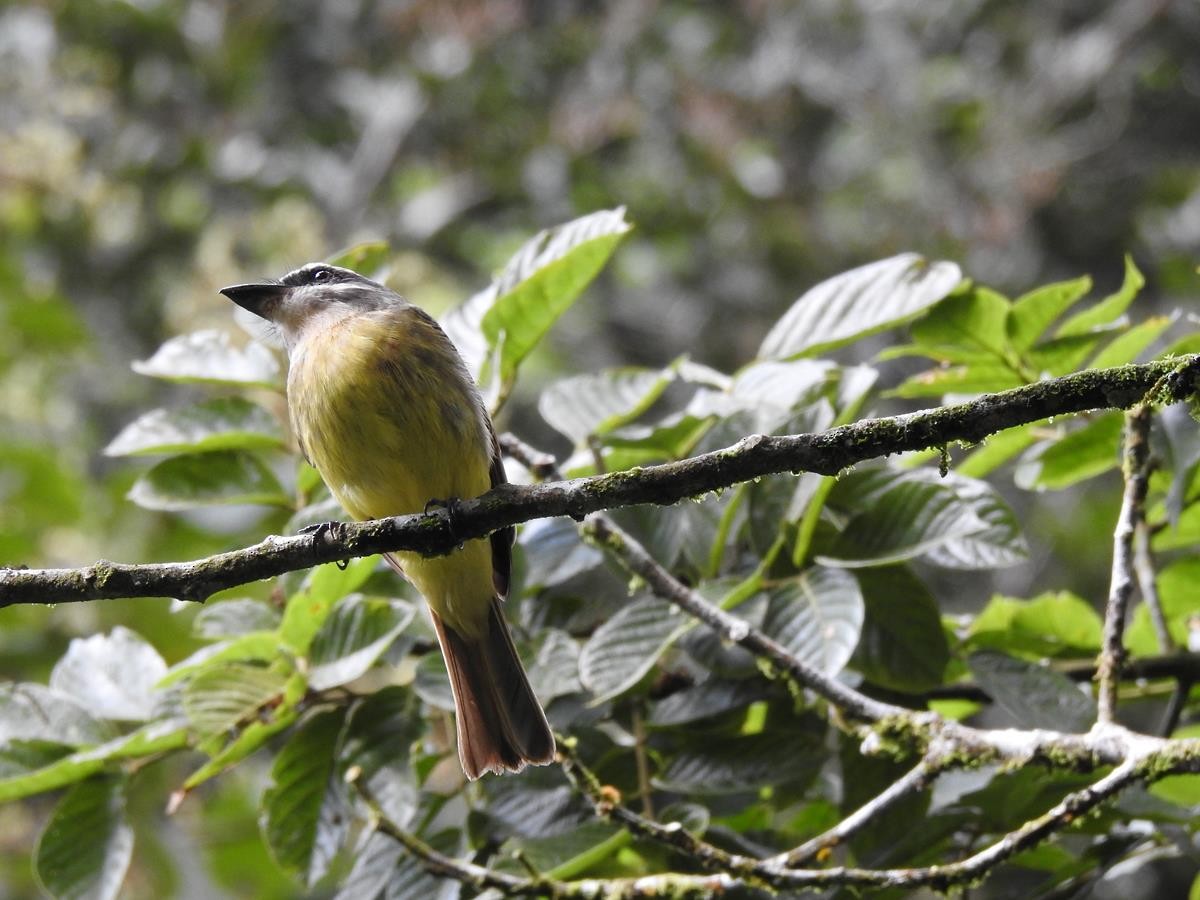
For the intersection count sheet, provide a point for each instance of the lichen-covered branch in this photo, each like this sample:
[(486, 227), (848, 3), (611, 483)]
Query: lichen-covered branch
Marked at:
[(1112, 652), (827, 452)]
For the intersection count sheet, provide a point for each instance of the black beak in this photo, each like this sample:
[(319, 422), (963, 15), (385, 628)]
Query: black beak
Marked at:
[(260, 299)]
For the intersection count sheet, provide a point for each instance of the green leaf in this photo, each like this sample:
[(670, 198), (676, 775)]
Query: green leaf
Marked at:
[(1127, 347), (554, 552), (975, 320), (230, 618), (953, 522), (209, 479), (48, 775), (1180, 602), (903, 645), (555, 669), (1061, 355), (595, 404), (1035, 696), (713, 697), (977, 378), (308, 608), (366, 258), (571, 852), (1181, 789), (385, 871), (253, 736), (34, 712), (222, 697), (627, 646), (253, 646), (85, 850), (210, 358), (380, 733), (732, 765), (1032, 313), (113, 675), (354, 635), (1110, 307), (498, 327), (225, 423), (859, 303), (817, 616), (1084, 453), (301, 785), (996, 450), (1051, 624)]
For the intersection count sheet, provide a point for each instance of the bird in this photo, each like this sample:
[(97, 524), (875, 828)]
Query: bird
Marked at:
[(384, 407)]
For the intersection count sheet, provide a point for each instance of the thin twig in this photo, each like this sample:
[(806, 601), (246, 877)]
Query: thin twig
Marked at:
[(1112, 653), (1147, 579), (827, 452), (912, 782), (634, 557)]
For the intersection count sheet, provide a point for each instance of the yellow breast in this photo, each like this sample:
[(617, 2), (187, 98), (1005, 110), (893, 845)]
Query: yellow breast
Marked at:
[(386, 413)]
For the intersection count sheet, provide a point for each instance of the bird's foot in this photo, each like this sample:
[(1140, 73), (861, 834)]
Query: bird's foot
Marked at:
[(318, 530), (450, 507)]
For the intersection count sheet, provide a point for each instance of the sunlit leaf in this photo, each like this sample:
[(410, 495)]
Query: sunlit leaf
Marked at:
[(1084, 453), (35, 712), (497, 328), (594, 404), (253, 646), (85, 850), (47, 774), (858, 303), (996, 450), (353, 636), (225, 423), (209, 357), (209, 479), (112, 675), (1032, 313), (974, 320), (1127, 347), (1110, 307), (1052, 624), (223, 696), (230, 618), (308, 608)]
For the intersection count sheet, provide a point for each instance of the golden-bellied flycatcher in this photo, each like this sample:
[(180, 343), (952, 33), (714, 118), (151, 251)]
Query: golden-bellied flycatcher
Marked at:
[(384, 407)]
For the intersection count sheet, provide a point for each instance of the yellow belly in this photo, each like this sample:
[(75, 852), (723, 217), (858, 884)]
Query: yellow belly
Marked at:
[(390, 422)]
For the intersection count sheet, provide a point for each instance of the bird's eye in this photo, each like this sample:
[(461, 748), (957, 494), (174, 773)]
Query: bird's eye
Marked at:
[(321, 275)]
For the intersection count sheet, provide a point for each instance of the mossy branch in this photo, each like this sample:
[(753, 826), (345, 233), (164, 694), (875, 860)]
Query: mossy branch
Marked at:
[(826, 452)]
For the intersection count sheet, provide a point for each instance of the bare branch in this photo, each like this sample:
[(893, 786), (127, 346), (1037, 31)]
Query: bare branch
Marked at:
[(912, 782), (826, 452), (1112, 653)]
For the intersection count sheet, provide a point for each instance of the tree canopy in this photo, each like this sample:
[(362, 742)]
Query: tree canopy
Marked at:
[(842, 362)]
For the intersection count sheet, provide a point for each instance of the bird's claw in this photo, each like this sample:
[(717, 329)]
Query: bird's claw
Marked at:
[(450, 506), (318, 530)]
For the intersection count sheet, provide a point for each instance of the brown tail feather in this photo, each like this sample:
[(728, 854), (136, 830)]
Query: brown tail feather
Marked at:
[(501, 725)]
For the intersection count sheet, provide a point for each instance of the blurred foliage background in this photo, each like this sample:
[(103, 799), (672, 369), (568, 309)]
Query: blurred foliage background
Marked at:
[(154, 151)]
